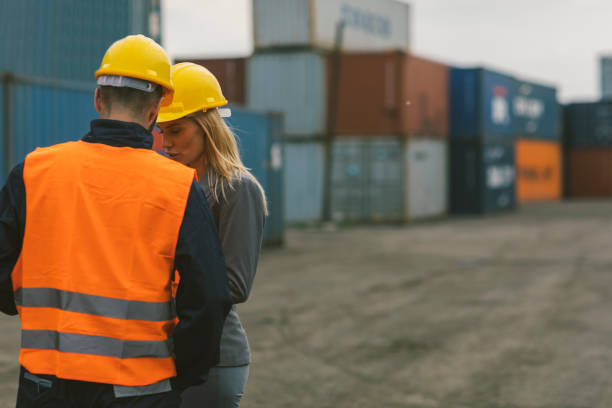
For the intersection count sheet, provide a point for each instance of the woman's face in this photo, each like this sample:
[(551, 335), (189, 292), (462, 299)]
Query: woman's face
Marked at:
[(183, 141)]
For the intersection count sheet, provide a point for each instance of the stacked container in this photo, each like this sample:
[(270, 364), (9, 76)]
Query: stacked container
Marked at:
[(49, 52), (390, 155), (290, 73), (230, 72), (482, 151), (538, 147), (588, 149)]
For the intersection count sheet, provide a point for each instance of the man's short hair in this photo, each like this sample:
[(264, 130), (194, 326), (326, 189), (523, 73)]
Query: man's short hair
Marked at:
[(135, 101)]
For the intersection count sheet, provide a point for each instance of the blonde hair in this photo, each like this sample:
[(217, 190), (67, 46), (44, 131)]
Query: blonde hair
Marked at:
[(221, 154)]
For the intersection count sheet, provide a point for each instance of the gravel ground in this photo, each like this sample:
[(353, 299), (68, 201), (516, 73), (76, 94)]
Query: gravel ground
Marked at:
[(504, 311)]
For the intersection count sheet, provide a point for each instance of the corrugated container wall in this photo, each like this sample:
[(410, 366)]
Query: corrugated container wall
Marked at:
[(606, 77), (539, 170), (537, 114), (259, 138), (294, 84), (590, 172), (426, 180), (481, 106), (3, 131), (43, 114), (370, 25), (482, 178), (588, 124), (230, 72), (367, 180), (303, 185), (66, 39), (403, 95)]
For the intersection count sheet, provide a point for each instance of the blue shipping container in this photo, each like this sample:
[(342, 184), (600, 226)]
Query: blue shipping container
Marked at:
[(260, 142), (588, 124), (66, 39), (303, 182), (294, 84), (3, 146), (482, 178), (43, 114), (481, 105), (537, 114)]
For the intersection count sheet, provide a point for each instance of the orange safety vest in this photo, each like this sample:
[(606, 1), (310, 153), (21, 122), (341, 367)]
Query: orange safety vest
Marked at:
[(93, 281)]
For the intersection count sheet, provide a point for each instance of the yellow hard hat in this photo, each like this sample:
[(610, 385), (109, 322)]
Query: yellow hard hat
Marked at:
[(196, 89), (139, 57)]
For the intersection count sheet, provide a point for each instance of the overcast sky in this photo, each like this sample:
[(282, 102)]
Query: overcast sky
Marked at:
[(553, 41)]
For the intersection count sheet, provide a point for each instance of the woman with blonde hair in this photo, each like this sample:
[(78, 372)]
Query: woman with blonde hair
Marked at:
[(195, 134)]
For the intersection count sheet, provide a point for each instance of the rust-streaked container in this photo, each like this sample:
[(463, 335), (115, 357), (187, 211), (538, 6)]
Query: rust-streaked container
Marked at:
[(539, 171), (590, 172), (230, 73), (392, 93)]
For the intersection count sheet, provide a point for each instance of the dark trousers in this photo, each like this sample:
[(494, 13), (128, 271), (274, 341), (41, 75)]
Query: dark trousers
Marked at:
[(47, 391)]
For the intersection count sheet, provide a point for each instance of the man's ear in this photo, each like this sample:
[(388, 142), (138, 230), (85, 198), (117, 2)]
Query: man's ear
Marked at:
[(152, 114), (98, 101)]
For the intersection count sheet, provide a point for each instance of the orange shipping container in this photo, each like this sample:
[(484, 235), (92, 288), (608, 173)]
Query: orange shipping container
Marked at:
[(590, 172), (538, 167), (392, 93)]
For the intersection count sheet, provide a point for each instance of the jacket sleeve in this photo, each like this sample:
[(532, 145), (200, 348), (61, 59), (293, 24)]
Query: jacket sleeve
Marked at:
[(203, 298), (241, 223), (12, 227)]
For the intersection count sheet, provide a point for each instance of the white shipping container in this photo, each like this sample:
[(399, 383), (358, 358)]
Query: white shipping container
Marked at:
[(426, 192), (370, 25)]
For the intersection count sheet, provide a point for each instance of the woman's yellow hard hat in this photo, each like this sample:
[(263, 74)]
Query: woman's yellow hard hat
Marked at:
[(195, 89), (139, 57)]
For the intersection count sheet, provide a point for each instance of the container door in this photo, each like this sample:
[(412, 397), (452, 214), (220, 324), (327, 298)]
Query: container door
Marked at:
[(349, 180), (466, 181), (426, 191), (499, 176), (385, 194), (275, 223), (538, 167), (303, 182)]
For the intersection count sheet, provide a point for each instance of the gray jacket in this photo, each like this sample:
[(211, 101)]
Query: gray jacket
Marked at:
[(240, 219)]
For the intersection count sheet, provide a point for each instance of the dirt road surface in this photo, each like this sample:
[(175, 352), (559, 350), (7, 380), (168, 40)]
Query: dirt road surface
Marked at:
[(506, 311)]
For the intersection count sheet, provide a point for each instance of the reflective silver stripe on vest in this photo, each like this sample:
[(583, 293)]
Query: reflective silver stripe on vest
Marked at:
[(94, 305), (95, 345), (157, 388)]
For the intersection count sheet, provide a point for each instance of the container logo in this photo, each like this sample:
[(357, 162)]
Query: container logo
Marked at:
[(366, 21), (500, 176), (530, 109), (535, 174), (500, 112)]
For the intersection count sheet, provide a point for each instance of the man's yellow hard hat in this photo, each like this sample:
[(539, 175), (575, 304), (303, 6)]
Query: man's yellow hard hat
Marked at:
[(139, 57), (195, 89)]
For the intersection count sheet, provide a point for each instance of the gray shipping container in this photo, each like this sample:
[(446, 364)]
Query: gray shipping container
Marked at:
[(367, 180), (293, 83), (303, 184), (371, 25), (606, 77), (426, 186), (66, 39)]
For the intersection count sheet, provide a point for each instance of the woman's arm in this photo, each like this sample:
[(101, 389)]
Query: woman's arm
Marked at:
[(241, 222)]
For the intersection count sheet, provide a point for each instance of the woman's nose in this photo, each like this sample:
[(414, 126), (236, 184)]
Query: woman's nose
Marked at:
[(166, 144)]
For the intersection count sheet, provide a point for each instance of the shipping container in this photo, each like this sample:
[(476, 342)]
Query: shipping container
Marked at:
[(303, 184), (482, 178), (481, 106), (294, 84), (403, 95), (589, 172), (66, 39), (230, 72), (43, 113), (426, 180), (606, 76), (367, 180), (538, 170), (370, 25), (588, 124), (3, 131), (259, 138), (537, 114)]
